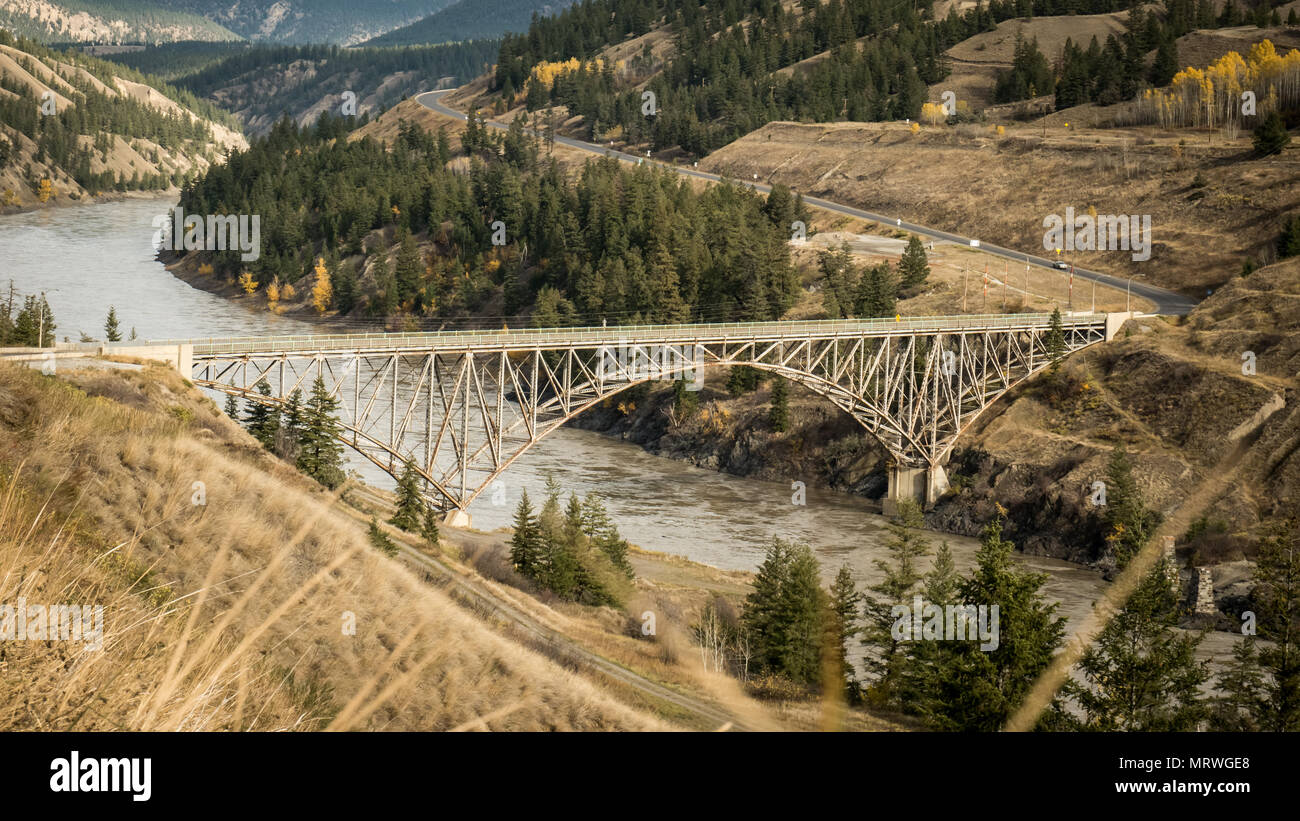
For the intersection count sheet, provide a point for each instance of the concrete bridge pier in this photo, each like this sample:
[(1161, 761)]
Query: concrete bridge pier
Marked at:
[(921, 484), (457, 518)]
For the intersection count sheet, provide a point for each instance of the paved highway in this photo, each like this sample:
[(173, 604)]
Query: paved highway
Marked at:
[(1166, 302)]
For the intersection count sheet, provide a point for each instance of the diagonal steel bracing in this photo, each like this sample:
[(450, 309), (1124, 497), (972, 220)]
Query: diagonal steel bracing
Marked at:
[(463, 406)]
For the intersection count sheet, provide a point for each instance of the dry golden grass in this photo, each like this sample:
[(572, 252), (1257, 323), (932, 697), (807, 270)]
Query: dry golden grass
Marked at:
[(1211, 205), (229, 614)]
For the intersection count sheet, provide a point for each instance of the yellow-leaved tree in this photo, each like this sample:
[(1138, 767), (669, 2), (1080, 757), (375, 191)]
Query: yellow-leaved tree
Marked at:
[(273, 292), (933, 113), (46, 190), (322, 294), (247, 282)]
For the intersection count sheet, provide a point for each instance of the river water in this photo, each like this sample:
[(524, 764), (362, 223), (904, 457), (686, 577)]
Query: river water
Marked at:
[(86, 258)]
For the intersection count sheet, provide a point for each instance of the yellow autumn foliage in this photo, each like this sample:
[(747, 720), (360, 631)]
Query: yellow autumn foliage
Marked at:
[(1213, 96)]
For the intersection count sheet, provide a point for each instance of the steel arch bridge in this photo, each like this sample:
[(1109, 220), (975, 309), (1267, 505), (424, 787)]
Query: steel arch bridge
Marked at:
[(463, 406)]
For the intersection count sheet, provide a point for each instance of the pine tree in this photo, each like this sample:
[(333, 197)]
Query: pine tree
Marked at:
[(261, 419), (526, 542), (877, 293), (411, 505), (784, 616), (913, 266), (907, 544), (1271, 135), (288, 438), (232, 407), (429, 528), (929, 661), (842, 626), (379, 539), (111, 332), (1141, 672), (838, 279), (598, 527), (1055, 341), (1129, 523), (978, 688), (1240, 703), (779, 415), (320, 454), (1288, 245), (1166, 63), (742, 379), (1277, 602)]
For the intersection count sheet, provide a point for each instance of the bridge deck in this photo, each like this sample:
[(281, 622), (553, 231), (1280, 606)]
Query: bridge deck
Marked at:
[(619, 335)]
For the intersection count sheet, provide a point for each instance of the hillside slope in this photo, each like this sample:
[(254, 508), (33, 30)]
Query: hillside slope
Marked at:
[(229, 582), (107, 21), (88, 127), (1212, 206), (471, 20)]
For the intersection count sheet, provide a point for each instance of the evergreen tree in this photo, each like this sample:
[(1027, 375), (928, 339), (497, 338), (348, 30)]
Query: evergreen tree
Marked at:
[(598, 527), (838, 279), (111, 332), (784, 616), (1288, 245), (291, 426), (261, 419), (1240, 703), (1271, 135), (320, 454), (779, 415), (526, 549), (742, 379), (1055, 341), (877, 292), (977, 688), (429, 528), (1141, 672), (1129, 523), (232, 407), (913, 266), (1277, 602), (842, 626), (1166, 63), (886, 657), (379, 539), (411, 505)]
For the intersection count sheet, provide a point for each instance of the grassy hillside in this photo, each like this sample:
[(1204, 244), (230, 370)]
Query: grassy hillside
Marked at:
[(226, 579), (1213, 203), (73, 126), (107, 21)]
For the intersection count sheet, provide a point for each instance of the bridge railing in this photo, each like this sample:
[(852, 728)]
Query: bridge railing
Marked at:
[(619, 334)]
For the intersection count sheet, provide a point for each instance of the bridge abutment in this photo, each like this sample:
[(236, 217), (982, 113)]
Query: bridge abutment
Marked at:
[(923, 485), (457, 518)]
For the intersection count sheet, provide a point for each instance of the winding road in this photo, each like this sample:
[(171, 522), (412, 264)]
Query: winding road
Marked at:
[(1165, 301)]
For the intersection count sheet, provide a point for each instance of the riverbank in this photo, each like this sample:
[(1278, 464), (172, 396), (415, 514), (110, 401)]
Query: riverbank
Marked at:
[(75, 200)]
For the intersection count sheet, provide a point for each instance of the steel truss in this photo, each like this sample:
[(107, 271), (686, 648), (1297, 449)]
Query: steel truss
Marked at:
[(462, 408)]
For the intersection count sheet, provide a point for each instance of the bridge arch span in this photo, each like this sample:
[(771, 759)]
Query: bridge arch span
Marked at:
[(462, 407)]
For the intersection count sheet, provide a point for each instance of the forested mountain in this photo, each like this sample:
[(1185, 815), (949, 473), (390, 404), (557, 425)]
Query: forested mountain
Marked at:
[(511, 237), (108, 21), (72, 125), (260, 83), (472, 20), (344, 22), (736, 65)]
